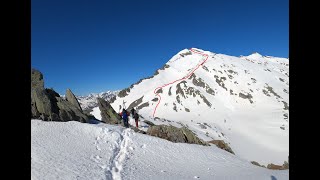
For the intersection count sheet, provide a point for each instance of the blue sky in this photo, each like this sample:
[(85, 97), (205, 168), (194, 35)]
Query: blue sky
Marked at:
[(99, 45)]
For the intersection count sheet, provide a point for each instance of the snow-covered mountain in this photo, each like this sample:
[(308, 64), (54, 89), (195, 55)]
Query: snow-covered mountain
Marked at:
[(241, 100), (74, 150), (90, 101)]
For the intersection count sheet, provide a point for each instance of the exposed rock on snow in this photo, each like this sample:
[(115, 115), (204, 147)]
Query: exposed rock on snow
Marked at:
[(108, 114), (174, 134)]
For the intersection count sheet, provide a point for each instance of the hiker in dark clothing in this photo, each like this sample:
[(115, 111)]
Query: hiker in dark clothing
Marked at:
[(136, 118), (132, 112), (125, 114)]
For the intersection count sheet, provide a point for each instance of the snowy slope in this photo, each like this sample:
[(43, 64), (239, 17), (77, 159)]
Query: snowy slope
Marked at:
[(73, 150), (241, 100), (90, 101)]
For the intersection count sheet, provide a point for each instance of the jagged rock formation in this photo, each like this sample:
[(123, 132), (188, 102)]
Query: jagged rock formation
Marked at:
[(108, 114), (47, 105), (72, 99)]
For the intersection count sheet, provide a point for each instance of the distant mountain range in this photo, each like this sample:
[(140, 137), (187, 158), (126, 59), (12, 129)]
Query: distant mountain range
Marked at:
[(90, 101)]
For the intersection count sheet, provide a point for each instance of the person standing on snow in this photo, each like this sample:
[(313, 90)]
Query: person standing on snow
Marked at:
[(136, 118), (125, 114), (132, 112)]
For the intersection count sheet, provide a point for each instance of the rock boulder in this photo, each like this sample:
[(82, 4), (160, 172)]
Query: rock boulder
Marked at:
[(174, 134)]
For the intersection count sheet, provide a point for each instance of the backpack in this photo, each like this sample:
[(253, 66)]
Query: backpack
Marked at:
[(136, 116), (124, 114)]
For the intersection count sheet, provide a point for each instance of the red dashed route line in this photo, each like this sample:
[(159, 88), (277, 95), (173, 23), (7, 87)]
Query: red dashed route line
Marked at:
[(185, 77)]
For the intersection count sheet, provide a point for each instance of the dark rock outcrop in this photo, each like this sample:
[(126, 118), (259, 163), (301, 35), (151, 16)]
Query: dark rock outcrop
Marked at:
[(146, 104), (285, 165), (137, 130), (174, 134), (274, 166), (159, 91), (286, 107), (149, 123), (268, 89), (257, 164), (113, 99), (135, 103), (278, 167), (220, 81), (72, 99), (196, 92), (222, 145), (41, 102), (124, 92), (108, 114), (183, 90), (68, 111), (36, 79), (185, 54), (199, 82), (248, 96), (179, 89), (162, 68), (34, 111), (154, 99), (46, 104)]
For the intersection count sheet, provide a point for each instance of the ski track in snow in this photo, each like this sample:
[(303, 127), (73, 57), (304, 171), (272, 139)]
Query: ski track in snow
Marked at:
[(120, 151), (185, 77)]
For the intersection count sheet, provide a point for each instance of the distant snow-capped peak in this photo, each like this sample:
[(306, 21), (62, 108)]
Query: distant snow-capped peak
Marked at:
[(255, 55)]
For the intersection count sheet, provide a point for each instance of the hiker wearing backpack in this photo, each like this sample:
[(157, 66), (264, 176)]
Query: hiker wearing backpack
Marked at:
[(132, 112), (125, 114), (136, 118)]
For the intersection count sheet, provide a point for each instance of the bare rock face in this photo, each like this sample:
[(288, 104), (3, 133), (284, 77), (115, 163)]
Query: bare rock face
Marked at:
[(68, 111), (72, 99), (274, 166), (46, 104), (174, 134), (149, 123), (222, 145), (40, 102), (36, 79), (135, 103), (124, 92), (108, 114), (257, 164), (278, 167), (41, 106), (285, 165), (34, 111)]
